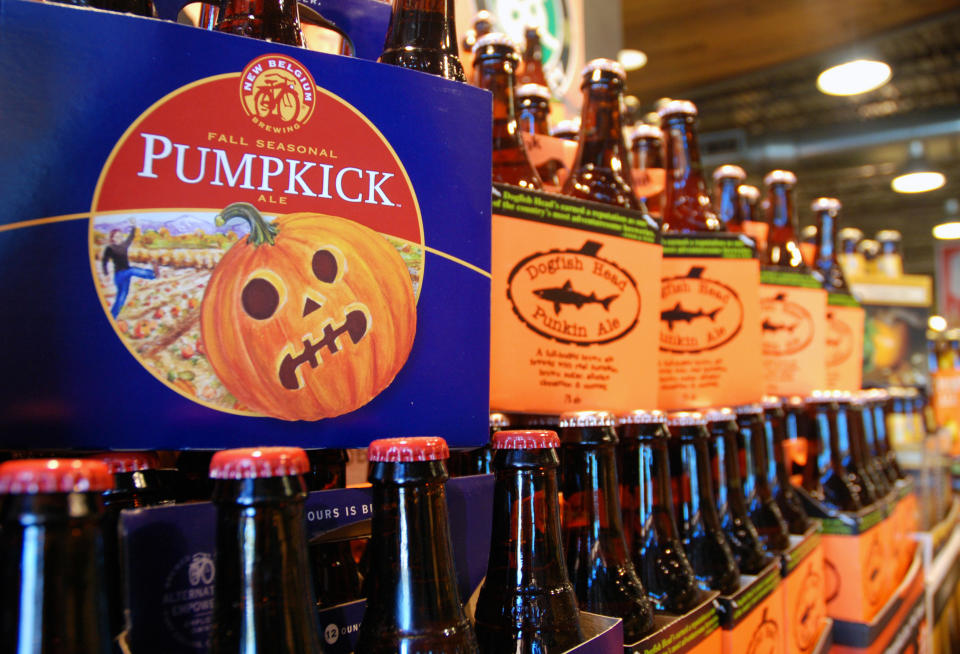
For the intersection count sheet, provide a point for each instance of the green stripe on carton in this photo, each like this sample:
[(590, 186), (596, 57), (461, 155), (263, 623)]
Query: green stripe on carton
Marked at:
[(568, 212), (842, 300), (757, 594), (789, 278), (713, 247), (803, 550), (838, 528), (683, 639)]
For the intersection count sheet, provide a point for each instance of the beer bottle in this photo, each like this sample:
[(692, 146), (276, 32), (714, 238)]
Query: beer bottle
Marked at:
[(828, 451), (646, 499), (890, 258), (568, 130), (53, 592), (775, 423), (422, 35), (602, 573), (749, 197), (783, 250), (195, 482), (808, 244), (825, 262), (477, 460), (482, 25), (533, 105), (853, 459), (495, 64), (727, 483), (880, 400), (262, 597), (861, 427), (648, 166), (532, 70), (695, 504), (267, 20), (755, 460), (136, 485), (851, 259), (686, 204), (336, 576), (412, 604), (526, 604), (136, 7), (727, 180), (601, 168)]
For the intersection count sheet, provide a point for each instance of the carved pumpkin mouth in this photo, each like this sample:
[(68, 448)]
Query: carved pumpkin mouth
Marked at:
[(354, 326)]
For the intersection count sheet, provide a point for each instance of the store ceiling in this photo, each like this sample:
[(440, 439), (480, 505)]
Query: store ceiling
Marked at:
[(751, 67)]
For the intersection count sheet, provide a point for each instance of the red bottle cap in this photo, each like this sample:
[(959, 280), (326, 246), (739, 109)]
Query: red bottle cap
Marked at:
[(119, 462), (525, 439), (258, 463), (32, 476), (408, 450)]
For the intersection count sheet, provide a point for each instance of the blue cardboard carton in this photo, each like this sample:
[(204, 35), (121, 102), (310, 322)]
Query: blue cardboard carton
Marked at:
[(212, 241)]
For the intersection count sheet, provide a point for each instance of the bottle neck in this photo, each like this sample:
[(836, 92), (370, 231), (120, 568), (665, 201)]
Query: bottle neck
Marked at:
[(533, 117), (748, 209), (774, 430), (533, 63), (601, 145), (646, 480), (782, 247), (261, 561), (718, 465), (590, 491), (497, 75), (825, 261), (423, 25), (687, 202), (728, 203), (753, 469), (696, 506), (53, 589), (525, 545), (647, 153), (412, 582)]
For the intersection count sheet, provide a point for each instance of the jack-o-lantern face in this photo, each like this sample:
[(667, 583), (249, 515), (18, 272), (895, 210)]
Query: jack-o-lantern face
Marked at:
[(310, 317)]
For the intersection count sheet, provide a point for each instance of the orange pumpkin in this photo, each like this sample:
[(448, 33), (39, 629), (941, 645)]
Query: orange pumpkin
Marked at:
[(310, 317)]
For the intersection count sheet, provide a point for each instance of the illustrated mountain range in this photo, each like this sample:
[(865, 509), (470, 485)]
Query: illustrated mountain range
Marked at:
[(176, 224)]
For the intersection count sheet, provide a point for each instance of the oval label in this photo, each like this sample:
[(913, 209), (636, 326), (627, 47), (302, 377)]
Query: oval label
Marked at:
[(697, 314), (574, 296), (787, 327), (839, 340)]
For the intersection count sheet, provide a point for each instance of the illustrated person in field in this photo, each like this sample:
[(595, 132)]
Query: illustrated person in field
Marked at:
[(123, 272)]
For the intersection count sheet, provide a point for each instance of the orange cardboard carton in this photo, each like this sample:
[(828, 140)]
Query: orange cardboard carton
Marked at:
[(900, 627), (804, 601), (552, 155), (844, 343), (752, 618), (709, 322), (575, 305), (696, 632), (793, 310)]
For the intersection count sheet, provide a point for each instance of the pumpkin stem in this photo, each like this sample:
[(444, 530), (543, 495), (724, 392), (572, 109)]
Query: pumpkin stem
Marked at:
[(260, 230)]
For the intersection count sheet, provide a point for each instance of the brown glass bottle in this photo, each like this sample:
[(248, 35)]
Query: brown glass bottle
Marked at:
[(136, 7), (727, 483), (602, 573), (895, 414), (267, 20), (262, 597), (412, 602), (136, 485), (477, 460), (774, 422), (726, 196), (825, 475), (526, 604), (601, 169), (825, 263), (861, 436), (783, 247), (749, 203), (194, 479), (568, 130), (422, 36), (481, 25), (646, 499), (495, 62), (686, 203), (648, 166), (756, 462), (695, 504), (52, 586), (879, 399), (532, 70), (854, 460), (533, 106)]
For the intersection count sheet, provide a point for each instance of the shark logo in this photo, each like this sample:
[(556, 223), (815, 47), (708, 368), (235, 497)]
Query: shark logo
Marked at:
[(574, 296), (697, 313), (839, 340), (566, 295), (787, 327)]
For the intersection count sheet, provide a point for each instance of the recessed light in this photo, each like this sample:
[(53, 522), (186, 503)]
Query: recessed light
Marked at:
[(918, 182), (947, 231), (937, 323), (632, 59), (853, 77)]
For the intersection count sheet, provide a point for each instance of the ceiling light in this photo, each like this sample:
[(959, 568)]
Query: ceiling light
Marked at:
[(853, 77), (937, 323), (632, 59), (918, 176), (947, 231)]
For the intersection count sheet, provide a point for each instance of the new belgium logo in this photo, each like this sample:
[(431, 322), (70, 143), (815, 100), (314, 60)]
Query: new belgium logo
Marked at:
[(839, 340), (697, 314), (278, 93), (574, 296), (787, 327)]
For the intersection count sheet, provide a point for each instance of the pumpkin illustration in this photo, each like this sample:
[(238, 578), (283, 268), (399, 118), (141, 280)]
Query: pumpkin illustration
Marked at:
[(310, 317)]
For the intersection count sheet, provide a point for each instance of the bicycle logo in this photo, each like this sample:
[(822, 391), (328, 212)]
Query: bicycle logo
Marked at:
[(278, 93)]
